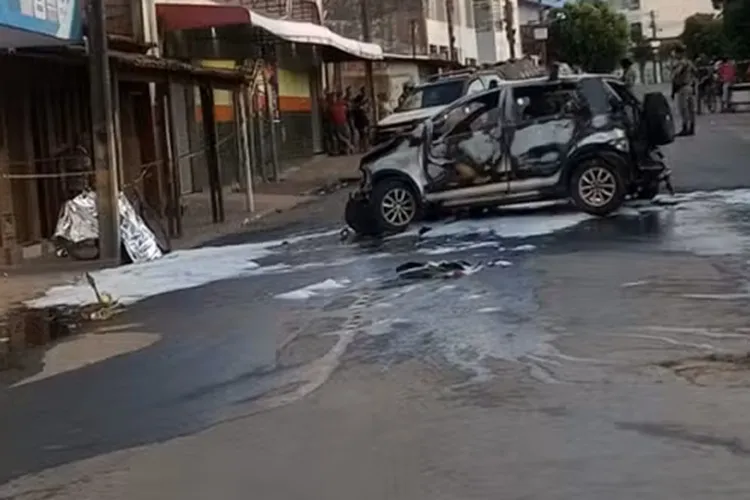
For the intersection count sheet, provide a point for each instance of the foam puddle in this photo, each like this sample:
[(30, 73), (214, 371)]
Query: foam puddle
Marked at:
[(315, 289), (176, 271)]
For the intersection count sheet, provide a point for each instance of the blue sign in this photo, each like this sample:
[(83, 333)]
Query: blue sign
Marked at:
[(56, 18)]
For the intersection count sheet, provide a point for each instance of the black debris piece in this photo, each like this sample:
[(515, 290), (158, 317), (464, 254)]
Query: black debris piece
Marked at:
[(433, 270)]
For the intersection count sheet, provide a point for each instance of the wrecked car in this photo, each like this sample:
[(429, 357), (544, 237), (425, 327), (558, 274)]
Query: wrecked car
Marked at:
[(582, 137), (441, 90)]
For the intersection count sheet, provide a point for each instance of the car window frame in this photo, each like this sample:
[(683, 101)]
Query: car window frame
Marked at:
[(480, 82), (513, 110), (467, 100)]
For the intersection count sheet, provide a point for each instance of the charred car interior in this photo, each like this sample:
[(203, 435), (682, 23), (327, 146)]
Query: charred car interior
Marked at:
[(582, 137)]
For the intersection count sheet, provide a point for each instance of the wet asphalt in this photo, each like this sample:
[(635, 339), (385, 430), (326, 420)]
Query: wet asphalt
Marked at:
[(223, 354)]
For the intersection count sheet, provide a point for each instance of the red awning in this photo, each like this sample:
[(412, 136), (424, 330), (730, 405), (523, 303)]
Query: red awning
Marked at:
[(201, 14)]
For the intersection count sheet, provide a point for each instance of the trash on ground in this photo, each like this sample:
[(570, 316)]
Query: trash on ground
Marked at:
[(435, 270)]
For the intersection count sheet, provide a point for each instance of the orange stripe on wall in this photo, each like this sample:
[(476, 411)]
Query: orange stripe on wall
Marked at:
[(225, 112), (299, 104)]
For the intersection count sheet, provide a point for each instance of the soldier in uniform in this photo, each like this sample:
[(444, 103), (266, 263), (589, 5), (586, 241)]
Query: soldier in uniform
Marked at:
[(684, 78)]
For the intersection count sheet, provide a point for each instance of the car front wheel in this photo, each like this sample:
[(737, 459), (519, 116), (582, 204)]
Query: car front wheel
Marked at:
[(395, 205), (597, 187)]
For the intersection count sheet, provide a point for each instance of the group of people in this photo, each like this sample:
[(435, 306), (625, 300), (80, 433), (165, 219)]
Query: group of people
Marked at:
[(694, 83), (346, 122)]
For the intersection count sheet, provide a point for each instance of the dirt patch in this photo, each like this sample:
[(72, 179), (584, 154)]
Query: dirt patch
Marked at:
[(726, 370)]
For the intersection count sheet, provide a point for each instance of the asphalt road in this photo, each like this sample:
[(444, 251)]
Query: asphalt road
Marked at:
[(577, 358)]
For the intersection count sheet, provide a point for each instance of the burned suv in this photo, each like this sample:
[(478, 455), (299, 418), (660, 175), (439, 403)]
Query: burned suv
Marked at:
[(584, 137)]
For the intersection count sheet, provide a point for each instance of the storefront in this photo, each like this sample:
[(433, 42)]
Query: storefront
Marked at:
[(286, 112)]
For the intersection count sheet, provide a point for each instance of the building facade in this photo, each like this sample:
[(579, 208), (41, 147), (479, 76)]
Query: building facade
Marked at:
[(494, 18)]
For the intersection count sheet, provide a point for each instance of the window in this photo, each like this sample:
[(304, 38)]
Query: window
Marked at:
[(436, 94), (472, 115), (439, 12), (469, 8), (634, 4), (636, 31), (541, 101), (474, 87)]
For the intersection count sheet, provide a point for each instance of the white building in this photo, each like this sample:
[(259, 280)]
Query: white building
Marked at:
[(491, 37), (463, 30), (659, 21)]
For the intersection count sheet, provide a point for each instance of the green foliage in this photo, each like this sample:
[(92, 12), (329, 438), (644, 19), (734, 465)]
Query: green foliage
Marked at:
[(590, 34), (641, 50), (736, 22), (667, 49), (703, 34)]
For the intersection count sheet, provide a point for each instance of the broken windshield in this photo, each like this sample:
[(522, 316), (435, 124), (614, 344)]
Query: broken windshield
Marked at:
[(437, 94)]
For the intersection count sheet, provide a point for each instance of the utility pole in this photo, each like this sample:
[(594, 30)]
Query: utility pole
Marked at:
[(510, 27), (654, 31), (451, 36), (103, 136), (369, 78)]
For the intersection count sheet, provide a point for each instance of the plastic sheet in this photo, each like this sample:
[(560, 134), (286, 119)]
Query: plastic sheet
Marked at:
[(78, 222)]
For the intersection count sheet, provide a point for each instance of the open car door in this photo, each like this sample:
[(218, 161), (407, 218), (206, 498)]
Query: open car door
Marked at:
[(463, 145)]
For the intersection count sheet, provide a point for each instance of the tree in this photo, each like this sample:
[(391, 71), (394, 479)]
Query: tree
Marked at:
[(703, 34), (736, 22), (642, 52), (590, 34)]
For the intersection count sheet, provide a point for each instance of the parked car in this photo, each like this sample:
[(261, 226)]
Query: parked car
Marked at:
[(441, 90), (578, 136)]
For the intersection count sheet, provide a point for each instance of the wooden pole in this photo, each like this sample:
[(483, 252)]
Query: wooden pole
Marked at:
[(244, 132), (103, 137)]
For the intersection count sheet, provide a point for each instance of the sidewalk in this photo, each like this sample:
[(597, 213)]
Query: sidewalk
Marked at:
[(301, 184)]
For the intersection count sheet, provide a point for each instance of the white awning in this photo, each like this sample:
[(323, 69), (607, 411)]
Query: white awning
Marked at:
[(201, 14), (299, 32)]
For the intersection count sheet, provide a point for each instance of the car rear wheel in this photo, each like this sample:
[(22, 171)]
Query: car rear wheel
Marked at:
[(395, 205), (597, 187)]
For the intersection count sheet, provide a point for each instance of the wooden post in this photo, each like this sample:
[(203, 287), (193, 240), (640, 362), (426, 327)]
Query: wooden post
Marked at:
[(244, 134), (212, 153), (103, 134), (175, 219)]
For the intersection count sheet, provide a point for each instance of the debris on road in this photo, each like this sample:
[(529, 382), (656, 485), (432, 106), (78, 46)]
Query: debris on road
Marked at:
[(435, 270)]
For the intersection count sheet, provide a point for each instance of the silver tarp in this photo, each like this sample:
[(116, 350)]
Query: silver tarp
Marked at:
[(78, 222)]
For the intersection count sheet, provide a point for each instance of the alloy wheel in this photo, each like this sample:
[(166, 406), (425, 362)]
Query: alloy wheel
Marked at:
[(597, 186), (398, 207)]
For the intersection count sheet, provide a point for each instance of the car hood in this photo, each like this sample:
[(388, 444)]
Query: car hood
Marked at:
[(405, 117)]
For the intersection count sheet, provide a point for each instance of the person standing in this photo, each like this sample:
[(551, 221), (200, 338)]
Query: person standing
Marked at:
[(384, 106), (340, 123), (727, 77), (629, 75), (361, 120), (683, 87)]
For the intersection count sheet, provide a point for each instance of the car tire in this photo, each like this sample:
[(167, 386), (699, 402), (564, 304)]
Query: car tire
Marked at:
[(358, 216), (597, 187), (394, 205), (658, 120)]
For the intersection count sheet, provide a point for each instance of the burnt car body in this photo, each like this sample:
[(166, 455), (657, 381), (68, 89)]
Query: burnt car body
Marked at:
[(585, 137), (441, 90)]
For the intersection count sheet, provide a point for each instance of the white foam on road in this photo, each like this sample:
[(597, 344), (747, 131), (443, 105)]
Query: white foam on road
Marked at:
[(176, 271), (510, 226), (315, 289)]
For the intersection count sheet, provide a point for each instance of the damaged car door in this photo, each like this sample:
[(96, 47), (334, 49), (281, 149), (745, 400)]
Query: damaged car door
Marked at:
[(545, 119), (465, 147)]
